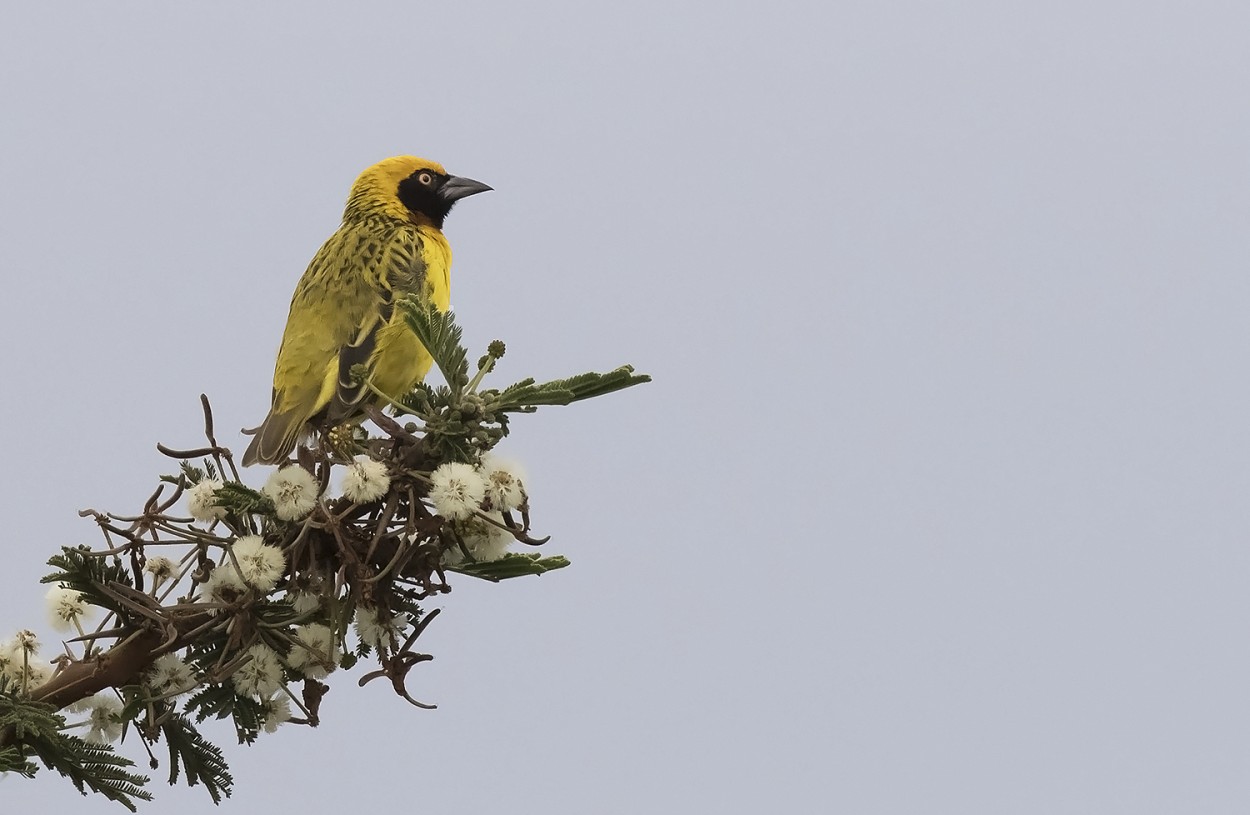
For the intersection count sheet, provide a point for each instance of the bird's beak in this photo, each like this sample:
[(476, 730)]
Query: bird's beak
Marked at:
[(455, 188)]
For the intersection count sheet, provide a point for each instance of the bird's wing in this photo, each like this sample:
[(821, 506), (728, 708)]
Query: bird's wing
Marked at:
[(396, 268)]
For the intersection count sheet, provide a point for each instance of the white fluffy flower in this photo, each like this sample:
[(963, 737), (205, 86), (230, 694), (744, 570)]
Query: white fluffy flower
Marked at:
[(505, 483), (160, 567), (377, 633), (65, 607), (304, 602), (14, 656), (20, 663), (260, 676), (223, 584), (26, 640), (81, 706), (365, 480), (202, 500), (23, 645), (316, 653), (7, 662), (27, 672), (456, 490), (260, 564), (293, 491), (103, 709), (277, 711), (170, 676), (485, 541)]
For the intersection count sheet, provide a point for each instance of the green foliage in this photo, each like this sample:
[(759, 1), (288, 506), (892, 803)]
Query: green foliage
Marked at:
[(82, 571), (441, 336), (13, 761), (460, 422), (221, 701), (525, 396), (37, 730), (95, 767), (248, 716), (513, 564), (240, 499), (405, 601), (200, 760), (189, 474), (21, 718)]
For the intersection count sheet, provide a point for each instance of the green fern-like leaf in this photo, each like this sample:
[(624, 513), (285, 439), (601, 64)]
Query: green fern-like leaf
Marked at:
[(439, 333), (220, 701), (514, 564), (199, 759), (527, 394), (420, 400), (194, 475), (24, 719), (12, 761), (37, 730), (214, 700), (241, 499), (249, 716), (98, 768), (78, 571)]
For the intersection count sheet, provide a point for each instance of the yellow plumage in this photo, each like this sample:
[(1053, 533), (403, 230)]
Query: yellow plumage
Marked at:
[(390, 245)]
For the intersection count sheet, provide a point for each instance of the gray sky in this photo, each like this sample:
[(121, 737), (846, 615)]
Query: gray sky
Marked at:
[(937, 503)]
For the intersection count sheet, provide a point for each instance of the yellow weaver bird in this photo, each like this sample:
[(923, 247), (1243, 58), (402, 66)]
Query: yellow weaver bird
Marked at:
[(343, 313)]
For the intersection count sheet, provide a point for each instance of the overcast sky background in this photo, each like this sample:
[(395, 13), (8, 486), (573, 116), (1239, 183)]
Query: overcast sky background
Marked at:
[(938, 500)]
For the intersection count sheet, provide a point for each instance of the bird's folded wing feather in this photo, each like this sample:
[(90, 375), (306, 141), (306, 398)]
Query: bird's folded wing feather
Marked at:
[(393, 268)]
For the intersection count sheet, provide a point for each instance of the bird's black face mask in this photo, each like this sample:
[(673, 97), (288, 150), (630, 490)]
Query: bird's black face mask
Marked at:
[(432, 194)]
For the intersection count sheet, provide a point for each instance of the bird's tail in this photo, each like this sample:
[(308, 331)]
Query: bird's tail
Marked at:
[(274, 439)]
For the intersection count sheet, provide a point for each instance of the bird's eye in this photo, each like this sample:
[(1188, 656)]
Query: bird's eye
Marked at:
[(425, 178)]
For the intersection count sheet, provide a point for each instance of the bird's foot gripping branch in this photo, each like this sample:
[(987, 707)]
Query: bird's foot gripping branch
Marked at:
[(223, 601)]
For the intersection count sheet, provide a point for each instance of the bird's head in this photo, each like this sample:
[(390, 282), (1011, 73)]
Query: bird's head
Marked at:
[(409, 187)]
